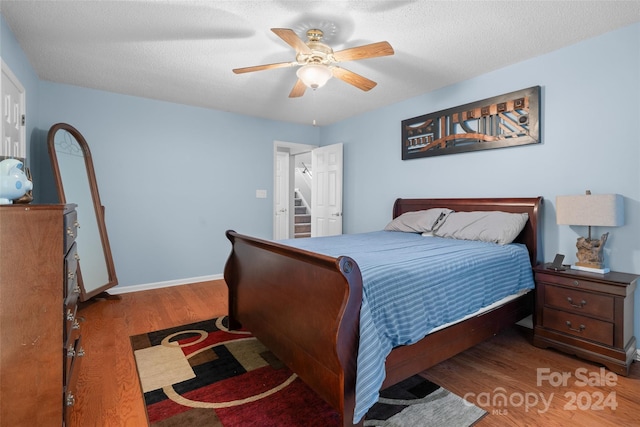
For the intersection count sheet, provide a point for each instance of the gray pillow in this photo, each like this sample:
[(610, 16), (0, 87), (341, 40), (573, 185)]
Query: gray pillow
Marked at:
[(491, 226), (419, 221)]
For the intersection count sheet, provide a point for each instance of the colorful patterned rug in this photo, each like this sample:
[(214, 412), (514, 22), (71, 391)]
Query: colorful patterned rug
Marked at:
[(202, 374)]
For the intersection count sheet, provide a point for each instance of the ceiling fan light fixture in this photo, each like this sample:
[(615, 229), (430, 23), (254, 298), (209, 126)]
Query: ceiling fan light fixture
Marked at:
[(314, 75), (316, 61)]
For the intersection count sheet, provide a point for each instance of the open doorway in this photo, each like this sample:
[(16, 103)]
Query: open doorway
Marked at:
[(307, 196), (290, 160)]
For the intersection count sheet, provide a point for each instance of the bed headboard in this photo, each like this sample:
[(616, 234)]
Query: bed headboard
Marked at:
[(530, 235)]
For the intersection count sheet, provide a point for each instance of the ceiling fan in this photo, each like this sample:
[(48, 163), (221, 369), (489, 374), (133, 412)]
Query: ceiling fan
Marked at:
[(318, 61)]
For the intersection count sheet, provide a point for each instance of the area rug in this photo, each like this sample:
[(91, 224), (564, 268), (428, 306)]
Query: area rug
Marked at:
[(202, 374)]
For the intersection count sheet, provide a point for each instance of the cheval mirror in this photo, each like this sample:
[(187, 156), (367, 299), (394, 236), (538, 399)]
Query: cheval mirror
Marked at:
[(76, 183)]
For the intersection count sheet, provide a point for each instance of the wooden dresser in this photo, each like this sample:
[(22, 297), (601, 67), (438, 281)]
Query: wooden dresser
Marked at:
[(587, 314), (40, 336)]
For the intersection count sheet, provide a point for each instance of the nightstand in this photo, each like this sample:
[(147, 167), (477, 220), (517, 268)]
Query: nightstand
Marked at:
[(586, 314)]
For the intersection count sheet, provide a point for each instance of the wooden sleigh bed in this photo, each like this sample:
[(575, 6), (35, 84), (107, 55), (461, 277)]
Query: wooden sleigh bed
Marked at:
[(305, 306)]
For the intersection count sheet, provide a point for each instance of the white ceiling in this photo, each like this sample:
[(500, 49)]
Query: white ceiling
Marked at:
[(184, 51)]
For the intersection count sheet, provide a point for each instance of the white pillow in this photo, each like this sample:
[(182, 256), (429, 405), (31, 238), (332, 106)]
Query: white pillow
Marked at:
[(491, 226), (419, 221)]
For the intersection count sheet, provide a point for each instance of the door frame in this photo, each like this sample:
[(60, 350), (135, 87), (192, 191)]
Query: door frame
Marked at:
[(292, 148), (281, 205)]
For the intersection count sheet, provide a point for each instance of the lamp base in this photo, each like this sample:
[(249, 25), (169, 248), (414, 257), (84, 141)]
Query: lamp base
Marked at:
[(591, 252), (590, 269)]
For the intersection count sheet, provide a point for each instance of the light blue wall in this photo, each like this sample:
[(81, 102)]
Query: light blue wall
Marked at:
[(590, 114), (590, 110), (173, 178)]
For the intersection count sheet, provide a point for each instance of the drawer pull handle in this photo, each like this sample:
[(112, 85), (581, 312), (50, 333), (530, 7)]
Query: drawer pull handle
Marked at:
[(71, 400), (70, 232), (580, 328), (70, 315), (81, 352), (576, 283), (572, 304)]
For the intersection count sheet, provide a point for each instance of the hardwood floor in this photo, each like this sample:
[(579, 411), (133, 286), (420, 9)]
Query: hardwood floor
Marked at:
[(108, 392), (507, 367)]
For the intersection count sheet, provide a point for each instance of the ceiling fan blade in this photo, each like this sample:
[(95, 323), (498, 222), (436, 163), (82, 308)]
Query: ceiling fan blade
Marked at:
[(354, 79), (292, 39), (298, 89), (372, 50), (264, 67)]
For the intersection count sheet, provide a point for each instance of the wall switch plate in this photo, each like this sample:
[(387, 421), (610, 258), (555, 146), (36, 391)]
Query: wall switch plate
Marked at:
[(261, 194)]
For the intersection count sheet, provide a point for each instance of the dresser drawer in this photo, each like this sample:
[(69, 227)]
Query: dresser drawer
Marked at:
[(579, 302), (70, 271), (71, 324), (72, 299), (71, 378), (70, 223), (73, 353), (579, 326)]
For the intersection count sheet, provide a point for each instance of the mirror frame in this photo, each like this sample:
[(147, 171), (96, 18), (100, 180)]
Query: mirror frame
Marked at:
[(97, 205)]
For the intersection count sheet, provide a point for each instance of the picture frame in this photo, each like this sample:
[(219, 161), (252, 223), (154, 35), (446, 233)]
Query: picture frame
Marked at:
[(506, 120)]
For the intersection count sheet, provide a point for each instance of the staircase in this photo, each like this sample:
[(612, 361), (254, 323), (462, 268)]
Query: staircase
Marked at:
[(301, 218)]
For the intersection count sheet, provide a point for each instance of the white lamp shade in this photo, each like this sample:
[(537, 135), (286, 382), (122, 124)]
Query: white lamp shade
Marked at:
[(605, 210), (314, 75)]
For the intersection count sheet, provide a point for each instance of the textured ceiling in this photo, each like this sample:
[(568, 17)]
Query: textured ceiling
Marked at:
[(184, 51)]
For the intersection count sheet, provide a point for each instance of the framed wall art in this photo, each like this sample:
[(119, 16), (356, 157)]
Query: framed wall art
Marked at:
[(501, 121)]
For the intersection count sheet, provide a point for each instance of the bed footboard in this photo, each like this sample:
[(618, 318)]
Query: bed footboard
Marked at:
[(304, 307)]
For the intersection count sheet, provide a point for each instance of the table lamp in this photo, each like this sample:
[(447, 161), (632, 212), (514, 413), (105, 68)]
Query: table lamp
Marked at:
[(601, 210)]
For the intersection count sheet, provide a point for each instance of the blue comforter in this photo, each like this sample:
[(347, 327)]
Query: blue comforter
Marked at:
[(413, 284)]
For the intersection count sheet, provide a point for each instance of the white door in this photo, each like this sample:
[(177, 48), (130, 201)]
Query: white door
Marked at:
[(13, 116), (281, 197), (326, 199)]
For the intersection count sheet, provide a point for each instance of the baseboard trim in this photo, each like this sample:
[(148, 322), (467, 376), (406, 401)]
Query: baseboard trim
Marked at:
[(167, 284)]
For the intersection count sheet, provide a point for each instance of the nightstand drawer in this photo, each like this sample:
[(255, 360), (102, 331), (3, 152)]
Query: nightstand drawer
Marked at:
[(571, 280), (579, 302), (579, 326)]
